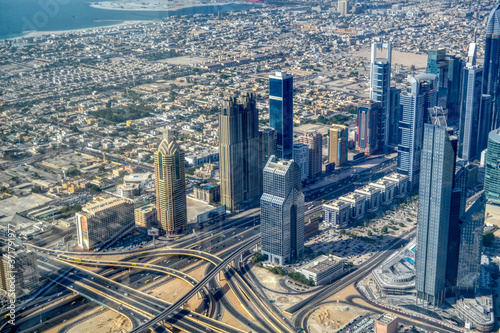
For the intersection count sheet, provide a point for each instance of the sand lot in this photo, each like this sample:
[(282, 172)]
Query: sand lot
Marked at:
[(403, 58)]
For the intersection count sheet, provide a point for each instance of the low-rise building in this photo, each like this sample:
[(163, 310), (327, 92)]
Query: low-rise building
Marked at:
[(372, 195), (387, 189), (127, 190), (207, 193), (386, 324), (357, 202), (401, 181), (337, 213), (323, 269), (103, 219), (146, 216)]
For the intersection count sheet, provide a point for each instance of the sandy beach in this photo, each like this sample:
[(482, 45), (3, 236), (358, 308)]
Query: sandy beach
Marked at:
[(154, 6)]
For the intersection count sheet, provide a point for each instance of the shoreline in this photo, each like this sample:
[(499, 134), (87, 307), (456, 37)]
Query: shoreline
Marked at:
[(37, 34), (108, 5)]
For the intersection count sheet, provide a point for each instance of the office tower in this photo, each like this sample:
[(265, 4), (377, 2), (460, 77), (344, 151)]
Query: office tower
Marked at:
[(453, 238), (484, 119), (434, 206), (415, 102), (492, 177), (394, 109), (281, 111), (470, 107), (491, 75), (380, 90), (170, 181), (448, 69), (337, 145), (102, 220), (239, 152), (19, 273), (368, 114), (471, 240), (267, 148), (282, 212), (342, 7), (315, 142), (301, 157)]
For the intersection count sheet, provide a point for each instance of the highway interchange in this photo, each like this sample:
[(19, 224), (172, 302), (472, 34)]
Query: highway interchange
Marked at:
[(75, 288)]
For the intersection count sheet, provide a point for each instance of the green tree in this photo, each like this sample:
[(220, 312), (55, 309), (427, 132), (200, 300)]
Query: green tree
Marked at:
[(94, 189), (384, 229), (369, 233), (36, 189), (488, 238)]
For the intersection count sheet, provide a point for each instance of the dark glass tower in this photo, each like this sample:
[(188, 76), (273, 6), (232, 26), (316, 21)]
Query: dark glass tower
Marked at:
[(491, 85), (434, 207), (281, 112)]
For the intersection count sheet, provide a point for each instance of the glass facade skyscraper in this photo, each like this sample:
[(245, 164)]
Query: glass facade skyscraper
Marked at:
[(492, 177), (380, 87), (470, 108), (491, 66), (434, 203), (337, 145), (420, 96), (281, 112), (282, 212), (368, 114)]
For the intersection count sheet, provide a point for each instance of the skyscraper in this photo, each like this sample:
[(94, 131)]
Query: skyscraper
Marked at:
[(282, 212), (301, 157), (337, 145), (368, 114), (314, 141), (491, 66), (380, 88), (170, 181), (281, 111), (420, 96), (239, 152), (470, 108), (342, 7), (267, 148), (471, 243), (394, 110), (492, 177), (434, 203)]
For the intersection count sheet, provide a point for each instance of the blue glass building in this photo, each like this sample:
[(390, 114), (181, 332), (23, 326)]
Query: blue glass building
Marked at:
[(492, 67), (281, 112)]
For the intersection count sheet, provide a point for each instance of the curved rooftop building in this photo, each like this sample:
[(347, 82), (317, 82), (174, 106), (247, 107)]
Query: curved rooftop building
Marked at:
[(491, 64)]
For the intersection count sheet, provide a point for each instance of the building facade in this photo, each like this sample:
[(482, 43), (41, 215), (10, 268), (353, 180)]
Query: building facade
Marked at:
[(337, 213), (314, 141), (491, 76), (470, 108), (170, 182), (281, 112), (368, 114), (492, 177), (19, 277), (146, 217), (323, 269), (103, 219), (420, 96), (434, 206), (282, 212), (301, 157), (380, 90), (338, 141), (267, 147), (239, 153), (394, 107)]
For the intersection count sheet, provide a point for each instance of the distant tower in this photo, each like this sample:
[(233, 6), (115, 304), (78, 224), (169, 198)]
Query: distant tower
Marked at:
[(282, 212), (267, 148), (470, 108), (281, 111), (380, 88), (434, 206), (420, 96), (491, 66), (239, 152), (337, 145), (368, 114), (170, 182), (301, 157), (314, 140), (492, 177), (342, 7)]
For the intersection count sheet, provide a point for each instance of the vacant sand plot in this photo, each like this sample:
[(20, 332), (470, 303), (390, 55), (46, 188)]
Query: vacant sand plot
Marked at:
[(403, 58)]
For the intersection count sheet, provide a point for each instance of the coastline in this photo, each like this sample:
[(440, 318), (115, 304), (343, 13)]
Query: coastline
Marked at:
[(121, 6), (36, 34)]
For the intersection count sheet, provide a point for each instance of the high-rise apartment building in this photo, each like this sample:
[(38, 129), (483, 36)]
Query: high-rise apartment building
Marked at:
[(239, 152), (368, 114), (282, 212), (342, 7), (491, 75), (415, 102), (301, 157), (470, 108), (314, 141), (337, 145), (471, 243), (267, 148), (434, 206), (170, 181), (103, 219), (394, 110), (380, 90), (492, 177), (281, 112), (19, 277)]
